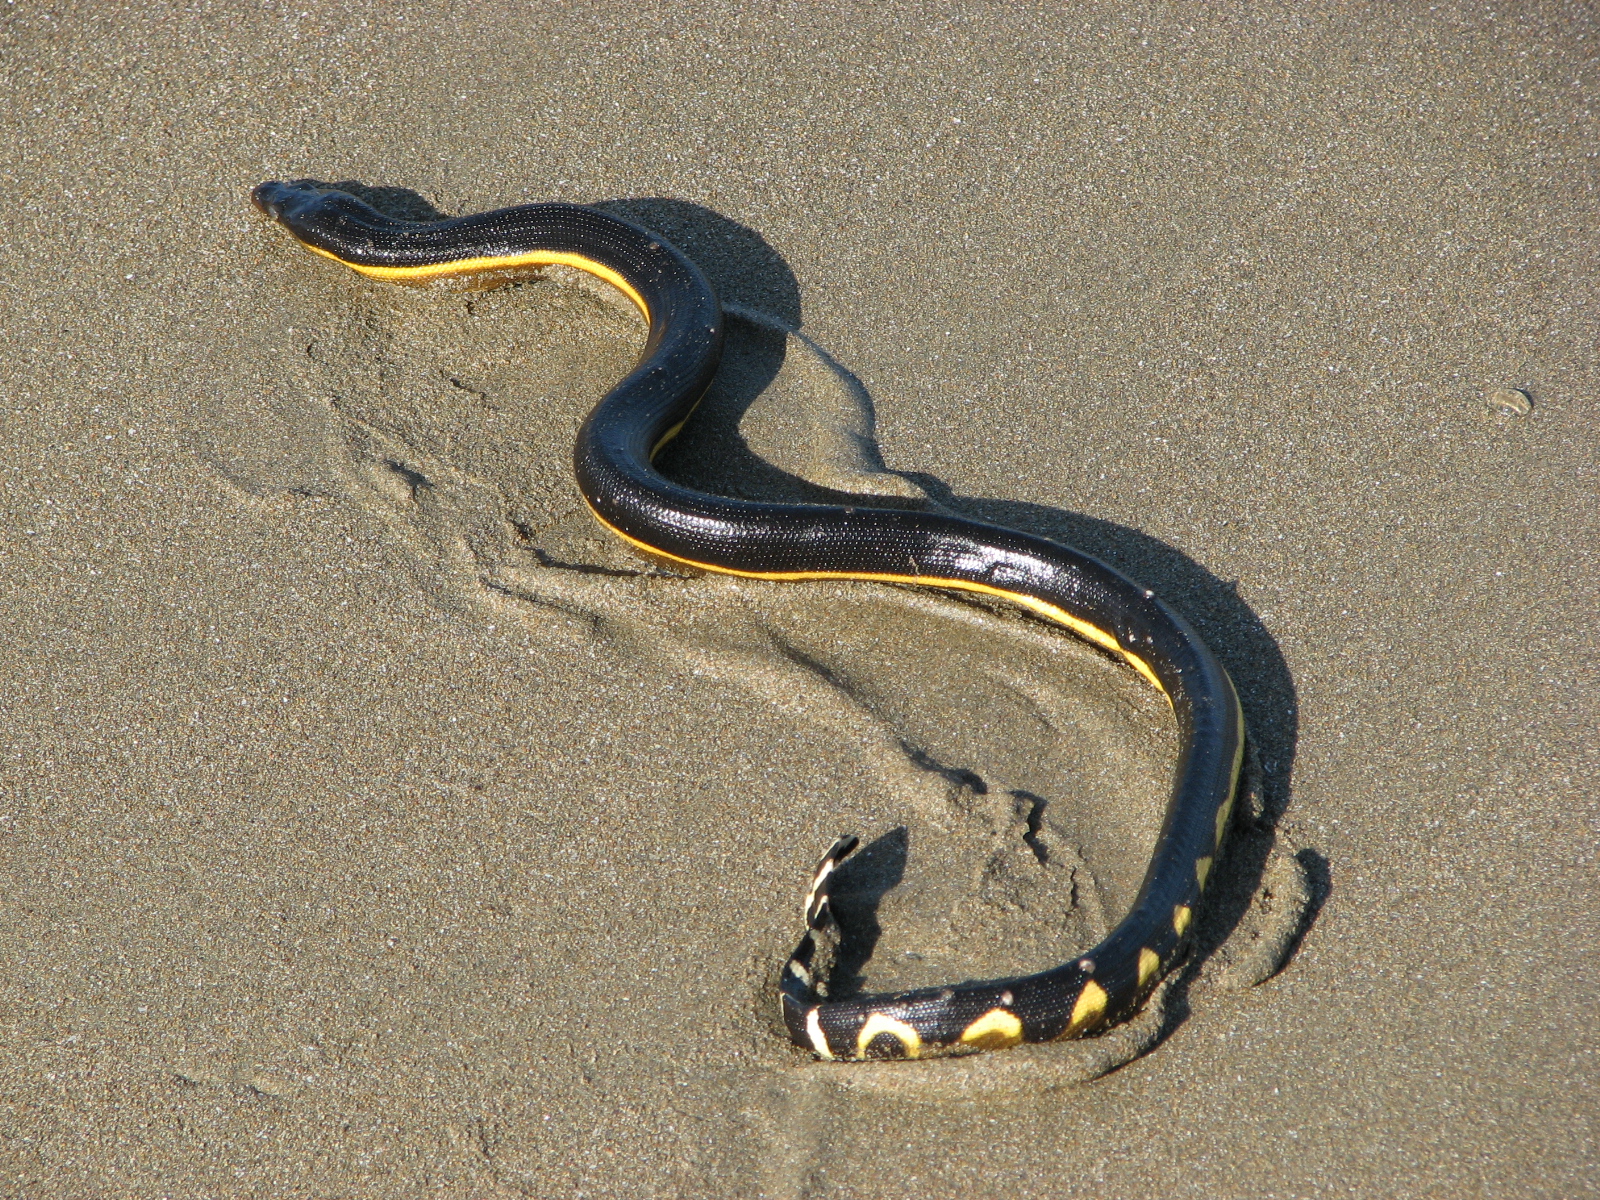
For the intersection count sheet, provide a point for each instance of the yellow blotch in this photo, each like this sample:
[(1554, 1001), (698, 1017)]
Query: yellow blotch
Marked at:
[(1223, 814), (1180, 918), (819, 1040), (1202, 868), (995, 1030), (1091, 1006), (878, 1023), (1149, 964)]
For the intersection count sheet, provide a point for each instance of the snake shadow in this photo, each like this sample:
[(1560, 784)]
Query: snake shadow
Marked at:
[(864, 879), (711, 455)]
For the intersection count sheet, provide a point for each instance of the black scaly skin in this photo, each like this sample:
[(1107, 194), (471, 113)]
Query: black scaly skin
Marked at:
[(612, 460)]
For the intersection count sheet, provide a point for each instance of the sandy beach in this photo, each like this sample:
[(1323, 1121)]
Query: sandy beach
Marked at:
[(375, 826)]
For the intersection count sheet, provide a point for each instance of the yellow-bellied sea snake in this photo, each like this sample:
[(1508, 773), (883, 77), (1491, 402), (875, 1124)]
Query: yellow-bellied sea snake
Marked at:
[(664, 521)]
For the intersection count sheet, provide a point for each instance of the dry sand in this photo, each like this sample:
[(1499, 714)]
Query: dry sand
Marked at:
[(375, 828)]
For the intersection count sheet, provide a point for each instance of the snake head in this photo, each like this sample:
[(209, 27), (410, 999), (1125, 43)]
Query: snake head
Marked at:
[(285, 201), (272, 198)]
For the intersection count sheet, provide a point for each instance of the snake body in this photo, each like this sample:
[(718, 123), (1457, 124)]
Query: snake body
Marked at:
[(662, 520)]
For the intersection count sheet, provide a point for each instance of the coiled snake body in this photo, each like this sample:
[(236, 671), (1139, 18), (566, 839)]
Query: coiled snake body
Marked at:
[(660, 519)]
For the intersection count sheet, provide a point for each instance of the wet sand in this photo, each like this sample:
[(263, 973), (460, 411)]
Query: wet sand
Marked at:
[(375, 827)]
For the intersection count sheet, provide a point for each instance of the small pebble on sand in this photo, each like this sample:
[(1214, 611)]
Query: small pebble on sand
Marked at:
[(1509, 402)]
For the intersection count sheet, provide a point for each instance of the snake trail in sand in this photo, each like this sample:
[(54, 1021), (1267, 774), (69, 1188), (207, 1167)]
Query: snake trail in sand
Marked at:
[(664, 521)]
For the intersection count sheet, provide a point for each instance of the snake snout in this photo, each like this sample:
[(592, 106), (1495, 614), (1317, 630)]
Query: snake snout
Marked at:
[(267, 197)]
